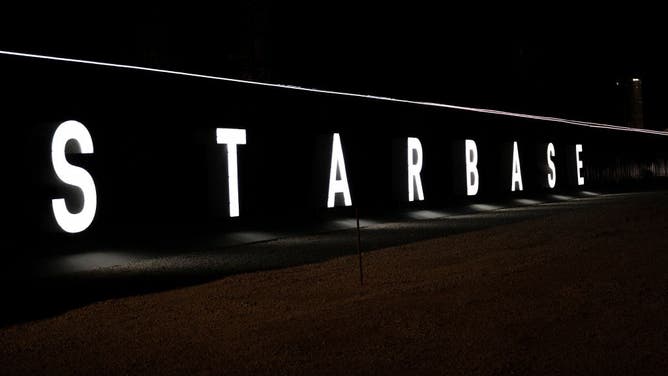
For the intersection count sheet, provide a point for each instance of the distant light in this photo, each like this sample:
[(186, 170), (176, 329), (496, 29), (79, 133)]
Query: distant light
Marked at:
[(636, 80)]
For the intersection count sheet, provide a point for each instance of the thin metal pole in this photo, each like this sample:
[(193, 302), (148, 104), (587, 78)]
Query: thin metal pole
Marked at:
[(359, 246)]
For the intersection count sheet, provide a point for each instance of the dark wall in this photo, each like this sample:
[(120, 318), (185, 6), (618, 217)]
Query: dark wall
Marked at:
[(159, 171)]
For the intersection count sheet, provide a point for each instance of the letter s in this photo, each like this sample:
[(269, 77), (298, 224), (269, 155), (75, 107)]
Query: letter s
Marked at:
[(73, 175)]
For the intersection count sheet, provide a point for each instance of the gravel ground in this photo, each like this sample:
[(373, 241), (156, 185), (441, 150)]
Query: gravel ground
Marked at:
[(577, 292)]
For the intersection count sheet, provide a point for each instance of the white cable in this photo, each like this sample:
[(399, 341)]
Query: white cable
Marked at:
[(342, 93)]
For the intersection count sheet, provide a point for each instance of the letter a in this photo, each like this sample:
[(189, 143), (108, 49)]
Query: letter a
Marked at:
[(517, 172), (338, 165)]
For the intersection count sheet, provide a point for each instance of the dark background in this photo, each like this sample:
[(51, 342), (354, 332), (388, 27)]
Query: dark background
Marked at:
[(158, 170), (160, 176), (553, 59)]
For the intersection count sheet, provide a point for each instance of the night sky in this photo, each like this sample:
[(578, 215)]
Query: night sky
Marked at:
[(557, 62)]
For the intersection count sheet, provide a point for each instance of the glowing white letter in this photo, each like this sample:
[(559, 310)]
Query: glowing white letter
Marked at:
[(517, 172), (552, 175), (338, 185), (578, 150), (414, 168), (231, 138), (471, 168), (73, 175)]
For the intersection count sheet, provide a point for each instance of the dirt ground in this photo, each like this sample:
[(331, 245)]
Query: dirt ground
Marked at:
[(579, 293)]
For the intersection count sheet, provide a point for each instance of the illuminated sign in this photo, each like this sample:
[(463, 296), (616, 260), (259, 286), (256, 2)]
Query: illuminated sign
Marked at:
[(471, 167), (552, 175), (517, 171), (338, 180), (155, 163), (578, 150), (76, 135), (414, 168), (231, 138), (76, 132)]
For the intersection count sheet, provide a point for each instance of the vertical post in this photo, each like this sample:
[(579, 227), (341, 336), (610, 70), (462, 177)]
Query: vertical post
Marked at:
[(636, 105), (359, 246)]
